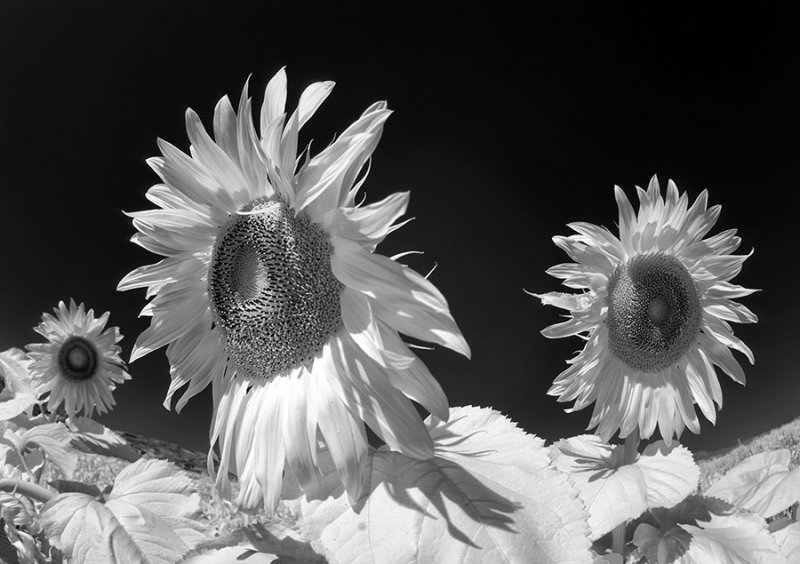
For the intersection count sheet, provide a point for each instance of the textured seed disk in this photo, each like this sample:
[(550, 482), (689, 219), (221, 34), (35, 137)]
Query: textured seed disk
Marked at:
[(654, 312), (77, 359), (272, 289)]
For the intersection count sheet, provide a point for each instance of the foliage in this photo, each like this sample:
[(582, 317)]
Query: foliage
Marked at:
[(492, 493), (489, 493)]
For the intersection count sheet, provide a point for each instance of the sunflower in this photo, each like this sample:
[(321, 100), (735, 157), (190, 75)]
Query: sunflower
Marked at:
[(654, 312), (80, 364), (17, 392), (270, 290)]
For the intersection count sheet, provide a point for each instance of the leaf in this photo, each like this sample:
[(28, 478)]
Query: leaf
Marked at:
[(256, 544), (615, 492), (788, 541), (611, 558), (160, 487), (669, 472), (489, 494), (761, 483), (702, 530), (235, 555), (54, 440), (737, 538), (661, 546), (145, 519), (90, 436)]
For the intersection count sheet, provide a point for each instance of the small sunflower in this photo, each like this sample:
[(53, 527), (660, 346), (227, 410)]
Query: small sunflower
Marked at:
[(80, 364), (17, 392), (654, 312), (270, 290)]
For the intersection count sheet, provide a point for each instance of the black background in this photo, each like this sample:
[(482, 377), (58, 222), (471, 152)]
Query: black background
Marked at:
[(507, 126)]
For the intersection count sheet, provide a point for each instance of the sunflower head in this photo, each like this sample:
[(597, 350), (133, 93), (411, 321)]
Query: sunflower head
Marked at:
[(270, 288), (79, 364), (654, 310)]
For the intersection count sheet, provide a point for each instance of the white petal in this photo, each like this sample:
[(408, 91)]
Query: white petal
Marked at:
[(370, 224), (344, 436), (274, 100), (387, 411), (403, 298)]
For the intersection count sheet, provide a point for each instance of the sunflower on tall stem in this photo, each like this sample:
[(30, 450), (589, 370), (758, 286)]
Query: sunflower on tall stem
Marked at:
[(654, 310)]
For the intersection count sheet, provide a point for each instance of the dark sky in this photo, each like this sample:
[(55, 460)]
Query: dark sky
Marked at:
[(506, 127)]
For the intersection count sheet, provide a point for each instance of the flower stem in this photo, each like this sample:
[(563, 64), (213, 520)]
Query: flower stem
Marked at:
[(629, 452), (32, 491)]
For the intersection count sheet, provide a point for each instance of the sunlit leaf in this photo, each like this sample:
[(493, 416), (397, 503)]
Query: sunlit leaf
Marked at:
[(90, 436), (234, 555), (670, 473), (702, 530), (161, 488), (54, 440), (788, 540), (145, 520), (490, 494), (611, 558), (762, 483), (738, 538), (615, 492)]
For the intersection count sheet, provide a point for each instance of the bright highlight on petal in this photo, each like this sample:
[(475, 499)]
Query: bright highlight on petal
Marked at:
[(654, 311), (80, 364), (270, 291)]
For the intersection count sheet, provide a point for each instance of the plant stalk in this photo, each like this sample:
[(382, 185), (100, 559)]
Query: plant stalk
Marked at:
[(32, 491), (630, 450)]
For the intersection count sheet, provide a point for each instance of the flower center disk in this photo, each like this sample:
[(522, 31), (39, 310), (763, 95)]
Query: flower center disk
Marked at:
[(271, 288), (77, 359), (654, 312)]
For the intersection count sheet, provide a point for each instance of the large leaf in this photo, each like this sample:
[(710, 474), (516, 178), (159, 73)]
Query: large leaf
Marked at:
[(788, 540), (615, 492), (490, 494), (731, 539), (147, 518), (90, 436), (762, 483), (670, 473), (703, 530)]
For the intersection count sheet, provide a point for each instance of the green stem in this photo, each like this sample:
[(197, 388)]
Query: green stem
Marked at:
[(630, 451), (32, 491)]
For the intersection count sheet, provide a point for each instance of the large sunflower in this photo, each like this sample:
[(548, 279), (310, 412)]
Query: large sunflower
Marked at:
[(270, 290), (654, 312), (80, 364)]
